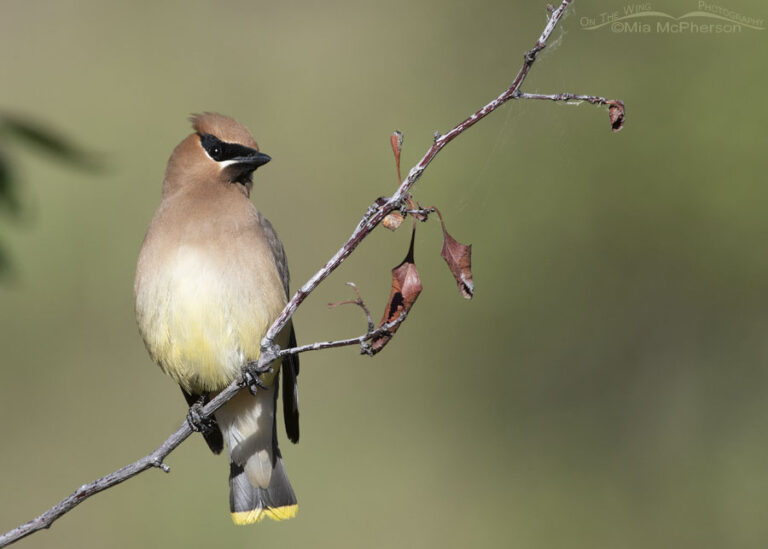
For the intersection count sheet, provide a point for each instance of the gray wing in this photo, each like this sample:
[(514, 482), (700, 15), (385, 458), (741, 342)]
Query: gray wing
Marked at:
[(290, 367), (278, 253)]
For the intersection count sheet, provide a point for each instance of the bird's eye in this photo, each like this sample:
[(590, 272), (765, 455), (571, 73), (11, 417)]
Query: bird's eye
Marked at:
[(213, 147)]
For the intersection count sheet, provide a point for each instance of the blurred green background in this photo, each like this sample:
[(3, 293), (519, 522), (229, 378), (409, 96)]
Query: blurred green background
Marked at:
[(605, 388)]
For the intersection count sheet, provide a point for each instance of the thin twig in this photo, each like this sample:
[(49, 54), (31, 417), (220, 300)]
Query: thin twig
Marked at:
[(360, 303), (384, 329), (564, 97), (419, 212), (270, 352)]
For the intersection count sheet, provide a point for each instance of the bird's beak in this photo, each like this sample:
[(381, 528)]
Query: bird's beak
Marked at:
[(252, 161)]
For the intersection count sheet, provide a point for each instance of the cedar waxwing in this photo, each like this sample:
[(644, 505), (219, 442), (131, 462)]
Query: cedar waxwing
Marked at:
[(211, 278)]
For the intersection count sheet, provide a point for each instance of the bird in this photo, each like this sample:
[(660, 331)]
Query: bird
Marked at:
[(210, 280)]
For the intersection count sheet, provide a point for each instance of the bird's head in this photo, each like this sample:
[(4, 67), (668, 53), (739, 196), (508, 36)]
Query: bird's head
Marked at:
[(220, 151)]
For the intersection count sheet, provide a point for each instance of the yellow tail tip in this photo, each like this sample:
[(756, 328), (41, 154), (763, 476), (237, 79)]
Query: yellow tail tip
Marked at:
[(257, 515)]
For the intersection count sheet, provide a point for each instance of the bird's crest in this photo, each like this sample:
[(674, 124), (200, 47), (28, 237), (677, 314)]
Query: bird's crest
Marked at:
[(225, 128)]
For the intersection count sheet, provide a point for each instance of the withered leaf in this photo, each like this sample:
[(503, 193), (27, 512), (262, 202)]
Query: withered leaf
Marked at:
[(616, 115), (406, 287), (396, 140), (393, 221), (459, 260), (418, 215)]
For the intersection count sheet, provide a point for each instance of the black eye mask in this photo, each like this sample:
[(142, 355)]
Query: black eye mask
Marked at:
[(221, 150)]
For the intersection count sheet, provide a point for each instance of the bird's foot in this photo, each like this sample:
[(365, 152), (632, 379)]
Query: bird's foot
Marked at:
[(252, 372), (197, 422)]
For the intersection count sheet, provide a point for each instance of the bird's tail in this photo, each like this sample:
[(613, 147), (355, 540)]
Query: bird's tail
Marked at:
[(258, 483)]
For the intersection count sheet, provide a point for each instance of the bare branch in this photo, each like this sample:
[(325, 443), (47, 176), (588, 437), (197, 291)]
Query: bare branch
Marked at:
[(400, 200), (360, 303), (565, 97), (362, 340), (420, 212), (615, 107)]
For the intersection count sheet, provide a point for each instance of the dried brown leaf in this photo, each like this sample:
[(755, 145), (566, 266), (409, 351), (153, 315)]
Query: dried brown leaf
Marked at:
[(418, 215), (406, 287), (396, 140), (459, 259), (393, 221), (616, 115)]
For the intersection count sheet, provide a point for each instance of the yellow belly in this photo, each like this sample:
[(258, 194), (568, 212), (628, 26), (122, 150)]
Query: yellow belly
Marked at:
[(202, 318)]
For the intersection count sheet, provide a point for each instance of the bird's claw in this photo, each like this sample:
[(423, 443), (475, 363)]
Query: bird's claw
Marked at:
[(251, 374), (197, 422)]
